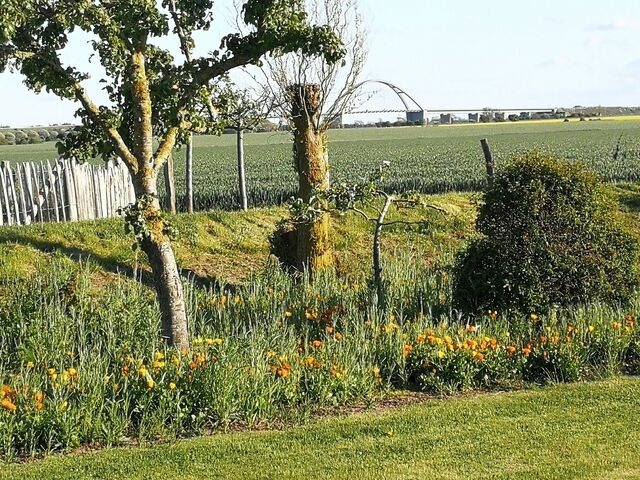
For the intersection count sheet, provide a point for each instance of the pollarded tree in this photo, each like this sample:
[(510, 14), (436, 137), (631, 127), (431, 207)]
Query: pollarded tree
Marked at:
[(151, 97), (313, 95)]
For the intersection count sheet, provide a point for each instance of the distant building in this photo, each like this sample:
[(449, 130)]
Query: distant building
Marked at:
[(498, 116), (474, 117), (415, 116), (446, 118)]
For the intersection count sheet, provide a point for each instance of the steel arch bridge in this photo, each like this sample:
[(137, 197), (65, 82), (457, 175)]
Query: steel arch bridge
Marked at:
[(414, 112)]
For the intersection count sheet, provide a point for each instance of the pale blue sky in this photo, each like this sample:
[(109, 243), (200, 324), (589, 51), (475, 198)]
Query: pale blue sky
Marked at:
[(466, 54)]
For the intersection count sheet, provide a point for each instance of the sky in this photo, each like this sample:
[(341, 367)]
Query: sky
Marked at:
[(457, 54)]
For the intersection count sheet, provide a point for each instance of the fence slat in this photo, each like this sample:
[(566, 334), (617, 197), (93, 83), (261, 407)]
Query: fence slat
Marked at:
[(24, 218), (67, 191), (3, 196), (2, 190), (30, 210), (12, 194), (39, 211), (62, 201)]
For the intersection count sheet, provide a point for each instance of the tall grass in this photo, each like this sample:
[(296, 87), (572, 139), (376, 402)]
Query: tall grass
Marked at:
[(82, 362)]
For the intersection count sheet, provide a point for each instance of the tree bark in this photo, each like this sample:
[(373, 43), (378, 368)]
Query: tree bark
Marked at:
[(157, 246), (242, 179), (155, 240), (313, 244), (169, 290), (377, 254)]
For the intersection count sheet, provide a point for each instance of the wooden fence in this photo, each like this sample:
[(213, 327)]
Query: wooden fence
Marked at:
[(62, 191)]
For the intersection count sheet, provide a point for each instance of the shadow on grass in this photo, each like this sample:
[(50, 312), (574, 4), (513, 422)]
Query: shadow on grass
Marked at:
[(629, 197), (111, 265)]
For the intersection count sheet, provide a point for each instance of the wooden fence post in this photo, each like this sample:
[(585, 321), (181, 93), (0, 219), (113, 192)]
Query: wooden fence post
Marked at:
[(170, 185), (242, 178), (188, 170), (488, 159)]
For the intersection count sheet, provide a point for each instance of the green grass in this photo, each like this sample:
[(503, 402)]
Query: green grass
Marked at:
[(228, 246), (433, 159), (581, 431)]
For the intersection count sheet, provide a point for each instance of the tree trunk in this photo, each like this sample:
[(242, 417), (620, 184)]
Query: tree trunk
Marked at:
[(157, 246), (377, 253), (169, 289), (313, 245), (189, 173), (242, 180)]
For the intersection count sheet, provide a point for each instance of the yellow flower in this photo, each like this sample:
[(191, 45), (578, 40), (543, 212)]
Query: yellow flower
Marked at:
[(8, 405), (158, 356), (63, 406), (51, 372), (534, 317), (288, 313), (441, 354), (591, 328), (157, 364), (142, 371), (30, 365), (406, 350), (172, 386), (311, 362), (150, 383)]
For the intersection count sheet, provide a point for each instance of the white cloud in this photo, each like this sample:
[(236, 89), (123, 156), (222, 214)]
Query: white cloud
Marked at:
[(619, 24), (555, 62)]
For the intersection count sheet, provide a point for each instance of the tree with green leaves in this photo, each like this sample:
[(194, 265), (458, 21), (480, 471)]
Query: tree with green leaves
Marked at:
[(153, 98), (241, 110)]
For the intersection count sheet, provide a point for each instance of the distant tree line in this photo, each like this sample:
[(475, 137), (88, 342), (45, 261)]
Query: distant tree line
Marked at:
[(31, 136), (381, 124)]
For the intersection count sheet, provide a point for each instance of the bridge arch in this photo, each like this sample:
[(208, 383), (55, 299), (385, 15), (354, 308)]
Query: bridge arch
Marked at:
[(412, 108)]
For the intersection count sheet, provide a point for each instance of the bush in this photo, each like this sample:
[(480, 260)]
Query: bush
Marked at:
[(10, 137), (551, 235), (21, 138)]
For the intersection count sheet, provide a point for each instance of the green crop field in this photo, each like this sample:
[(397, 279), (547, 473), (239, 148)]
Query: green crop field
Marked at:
[(432, 159)]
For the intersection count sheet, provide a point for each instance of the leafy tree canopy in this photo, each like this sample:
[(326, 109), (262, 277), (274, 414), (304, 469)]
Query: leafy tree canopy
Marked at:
[(33, 34)]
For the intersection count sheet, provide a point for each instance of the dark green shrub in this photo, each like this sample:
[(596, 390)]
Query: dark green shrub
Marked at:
[(21, 138), (551, 235), (10, 137)]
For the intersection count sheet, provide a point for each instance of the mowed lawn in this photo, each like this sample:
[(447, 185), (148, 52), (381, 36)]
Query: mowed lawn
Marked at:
[(577, 431)]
